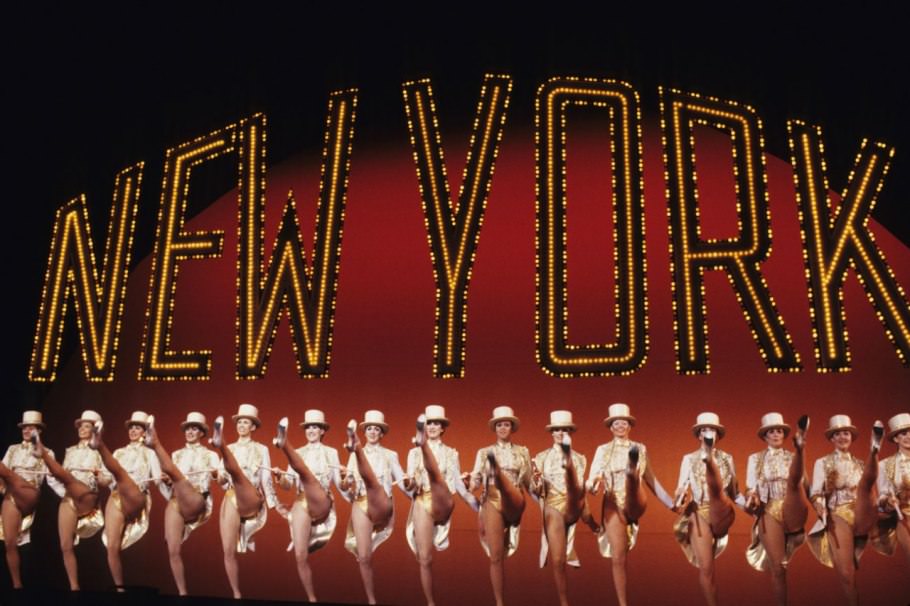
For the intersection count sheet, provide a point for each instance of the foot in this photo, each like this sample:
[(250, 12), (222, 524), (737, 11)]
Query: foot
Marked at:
[(566, 446), (216, 439), (634, 454), (708, 445), (352, 436), (282, 437), (38, 445), (878, 431), (421, 436), (95, 441), (802, 426), (150, 436)]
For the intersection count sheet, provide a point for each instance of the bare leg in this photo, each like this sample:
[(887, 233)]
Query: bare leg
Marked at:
[(555, 527), (363, 531), (423, 539), (132, 500), (114, 523), (379, 504), (511, 497), (636, 499), (844, 565), (302, 526), (190, 502), (249, 501), (84, 499), (443, 504), (773, 539), (66, 526), (703, 546), (575, 494), (903, 536), (23, 493), (492, 531), (617, 535), (721, 512), (796, 510), (12, 518), (319, 503), (229, 525), (173, 534), (866, 509)]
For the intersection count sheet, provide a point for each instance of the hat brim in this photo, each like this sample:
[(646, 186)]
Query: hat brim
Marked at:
[(325, 426), (609, 420), (202, 426), (39, 424), (833, 430), (445, 422), (721, 431), (569, 426), (364, 424), (128, 422), (765, 429), (492, 422), (893, 433), (255, 420), (79, 422)]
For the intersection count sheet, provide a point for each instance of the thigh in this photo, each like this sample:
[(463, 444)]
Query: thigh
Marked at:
[(301, 527), (229, 525), (555, 528), (493, 528), (702, 541), (617, 534), (423, 530), (66, 524), (842, 545), (12, 519), (363, 530), (773, 539), (113, 524), (173, 524)]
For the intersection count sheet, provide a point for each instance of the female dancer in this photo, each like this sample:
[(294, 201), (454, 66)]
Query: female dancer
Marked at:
[(126, 514), (373, 470), (243, 509), (619, 466), (894, 488), (558, 479), (22, 472), (835, 482), (434, 475), (775, 486), (705, 493), (189, 471), (76, 482), (502, 470), (310, 470)]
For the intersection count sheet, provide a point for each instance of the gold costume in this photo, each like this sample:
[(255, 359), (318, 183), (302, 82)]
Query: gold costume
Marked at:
[(79, 461), (22, 461), (893, 481), (196, 463), (515, 462), (387, 470), (450, 468), (835, 479), (609, 464), (766, 476), (324, 463), (553, 494), (693, 473), (253, 459), (140, 462)]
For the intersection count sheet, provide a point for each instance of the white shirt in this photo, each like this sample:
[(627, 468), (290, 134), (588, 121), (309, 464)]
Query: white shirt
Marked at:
[(256, 465), (446, 460), (322, 461), (385, 466), (840, 489), (196, 462), (692, 472)]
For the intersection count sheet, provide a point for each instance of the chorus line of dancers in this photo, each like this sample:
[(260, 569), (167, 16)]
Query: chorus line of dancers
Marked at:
[(856, 501)]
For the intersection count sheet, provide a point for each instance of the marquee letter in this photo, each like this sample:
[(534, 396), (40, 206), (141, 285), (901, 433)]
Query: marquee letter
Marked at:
[(740, 257), (554, 353), (72, 271), (453, 231), (835, 239)]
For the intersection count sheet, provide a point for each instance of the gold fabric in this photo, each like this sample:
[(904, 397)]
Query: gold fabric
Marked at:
[(424, 500), (378, 537), (87, 525), (610, 462), (682, 527), (820, 543), (248, 526), (493, 497), (319, 533), (756, 555), (515, 463), (136, 528), (24, 529), (189, 527), (21, 460), (553, 488), (603, 542)]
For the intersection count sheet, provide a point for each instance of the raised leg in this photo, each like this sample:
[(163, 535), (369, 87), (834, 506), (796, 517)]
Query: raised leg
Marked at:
[(249, 500), (866, 509), (379, 504), (319, 503), (24, 494), (441, 496), (132, 500), (511, 496), (190, 502), (636, 499), (796, 509), (720, 512), (83, 498)]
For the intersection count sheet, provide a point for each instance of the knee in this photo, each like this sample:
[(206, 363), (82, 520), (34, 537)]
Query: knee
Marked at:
[(11, 546), (558, 560), (365, 559), (425, 559), (496, 558), (619, 558)]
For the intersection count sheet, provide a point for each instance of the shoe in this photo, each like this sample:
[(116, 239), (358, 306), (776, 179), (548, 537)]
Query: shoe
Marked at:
[(634, 454), (216, 439), (799, 440), (95, 441), (878, 431), (149, 438), (352, 435), (282, 437), (421, 436)]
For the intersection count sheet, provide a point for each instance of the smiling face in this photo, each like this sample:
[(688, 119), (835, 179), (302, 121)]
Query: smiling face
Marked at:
[(84, 430), (903, 440), (28, 430), (136, 432), (503, 430), (192, 434), (774, 437), (435, 429), (373, 433), (313, 433), (620, 428), (842, 440), (245, 427)]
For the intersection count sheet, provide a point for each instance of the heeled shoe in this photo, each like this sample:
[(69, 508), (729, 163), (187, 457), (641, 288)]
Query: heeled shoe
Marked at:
[(802, 425), (566, 445), (352, 435), (709, 444), (878, 432), (282, 437), (95, 441), (217, 439), (634, 454), (149, 438), (421, 436)]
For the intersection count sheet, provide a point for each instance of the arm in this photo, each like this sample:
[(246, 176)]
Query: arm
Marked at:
[(652, 482), (52, 482), (477, 472)]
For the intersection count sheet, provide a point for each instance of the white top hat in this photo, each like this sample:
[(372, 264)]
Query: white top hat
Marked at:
[(374, 417), (561, 419), (197, 419), (32, 417), (435, 412), (840, 423), (137, 418), (897, 424), (503, 413), (314, 417), (771, 421), (617, 412), (708, 419), (247, 411), (88, 416)]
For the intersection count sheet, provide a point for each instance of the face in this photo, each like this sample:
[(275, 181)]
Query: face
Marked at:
[(774, 437), (706, 431), (620, 428), (842, 439), (558, 433), (193, 433), (903, 440), (85, 430), (28, 430), (373, 434), (313, 433), (136, 432), (503, 430), (245, 427), (434, 429)]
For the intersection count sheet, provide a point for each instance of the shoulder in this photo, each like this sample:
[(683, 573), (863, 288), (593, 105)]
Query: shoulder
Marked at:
[(523, 450), (540, 456)]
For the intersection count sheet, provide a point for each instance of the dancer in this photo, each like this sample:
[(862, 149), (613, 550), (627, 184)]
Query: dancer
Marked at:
[(618, 467), (189, 471), (373, 469), (894, 489), (22, 472), (311, 468), (76, 482), (775, 489), (835, 481), (705, 493), (558, 480), (502, 470), (126, 514), (434, 475)]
